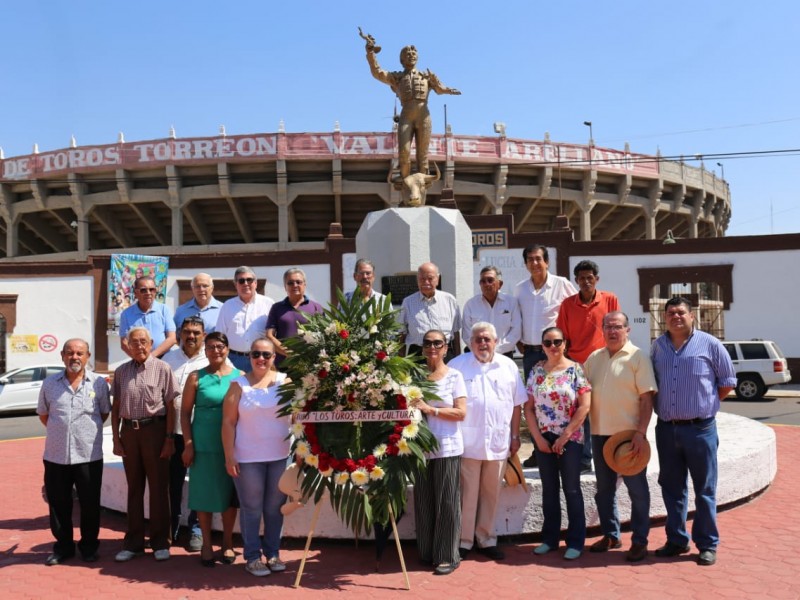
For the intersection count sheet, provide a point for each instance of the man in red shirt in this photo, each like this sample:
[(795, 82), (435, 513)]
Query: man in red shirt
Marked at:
[(580, 317)]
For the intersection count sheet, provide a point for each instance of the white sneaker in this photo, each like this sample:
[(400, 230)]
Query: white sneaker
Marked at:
[(257, 568), (276, 564), (126, 555), (162, 554)]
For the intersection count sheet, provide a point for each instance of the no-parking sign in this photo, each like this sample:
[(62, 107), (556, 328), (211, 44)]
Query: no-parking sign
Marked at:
[(48, 343)]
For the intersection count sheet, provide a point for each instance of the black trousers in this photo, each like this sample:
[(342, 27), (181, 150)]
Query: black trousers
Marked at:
[(59, 480), (177, 476)]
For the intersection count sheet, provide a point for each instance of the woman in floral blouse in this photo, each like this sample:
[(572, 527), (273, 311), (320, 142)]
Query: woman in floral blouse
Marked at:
[(558, 401)]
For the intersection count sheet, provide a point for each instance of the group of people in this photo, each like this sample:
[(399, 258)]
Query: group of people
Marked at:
[(209, 405)]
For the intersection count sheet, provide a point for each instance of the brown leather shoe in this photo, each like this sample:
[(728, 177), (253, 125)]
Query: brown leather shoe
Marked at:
[(605, 543), (638, 552)]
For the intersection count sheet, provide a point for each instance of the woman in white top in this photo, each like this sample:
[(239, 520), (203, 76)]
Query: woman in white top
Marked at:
[(255, 439), (437, 492)]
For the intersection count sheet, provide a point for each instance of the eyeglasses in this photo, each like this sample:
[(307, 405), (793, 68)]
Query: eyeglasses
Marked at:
[(295, 282), (243, 280), (217, 348), (548, 343), (144, 290), (435, 343), (265, 354), (488, 280)]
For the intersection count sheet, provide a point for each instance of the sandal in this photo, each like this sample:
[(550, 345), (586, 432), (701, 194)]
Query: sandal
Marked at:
[(206, 562), (229, 556)]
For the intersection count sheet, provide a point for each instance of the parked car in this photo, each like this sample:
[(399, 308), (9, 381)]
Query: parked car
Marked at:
[(19, 388), (759, 364)]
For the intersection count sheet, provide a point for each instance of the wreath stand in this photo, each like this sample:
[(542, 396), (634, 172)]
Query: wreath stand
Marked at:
[(311, 534)]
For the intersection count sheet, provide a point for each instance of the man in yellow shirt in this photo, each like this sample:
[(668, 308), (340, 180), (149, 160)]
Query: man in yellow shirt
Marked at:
[(623, 384)]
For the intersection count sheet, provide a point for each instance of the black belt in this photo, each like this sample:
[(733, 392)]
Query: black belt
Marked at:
[(534, 348), (139, 423), (237, 353), (686, 421)]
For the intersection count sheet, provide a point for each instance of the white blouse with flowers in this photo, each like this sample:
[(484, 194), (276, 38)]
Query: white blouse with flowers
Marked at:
[(555, 397)]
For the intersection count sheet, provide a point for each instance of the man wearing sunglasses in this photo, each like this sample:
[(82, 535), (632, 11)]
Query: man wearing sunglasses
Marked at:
[(285, 316), (492, 306), (495, 395), (154, 316), (244, 318)]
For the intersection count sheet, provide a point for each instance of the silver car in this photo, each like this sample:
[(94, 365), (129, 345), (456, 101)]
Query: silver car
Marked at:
[(19, 388)]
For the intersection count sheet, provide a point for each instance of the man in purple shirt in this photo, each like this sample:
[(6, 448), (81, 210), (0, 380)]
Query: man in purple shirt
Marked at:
[(285, 316)]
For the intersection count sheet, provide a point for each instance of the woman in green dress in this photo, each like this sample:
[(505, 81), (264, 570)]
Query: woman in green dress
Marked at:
[(210, 487)]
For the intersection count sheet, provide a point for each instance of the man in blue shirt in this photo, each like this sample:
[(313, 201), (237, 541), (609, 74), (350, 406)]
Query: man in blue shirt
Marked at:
[(694, 373), (203, 304), (154, 316)]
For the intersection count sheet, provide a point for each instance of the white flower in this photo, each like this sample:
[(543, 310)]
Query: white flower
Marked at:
[(298, 431), (302, 449), (341, 478), (312, 460), (299, 396), (405, 379), (310, 381), (311, 337), (373, 330), (359, 477), (376, 473), (379, 450), (410, 431), (332, 328), (413, 394), (403, 449)]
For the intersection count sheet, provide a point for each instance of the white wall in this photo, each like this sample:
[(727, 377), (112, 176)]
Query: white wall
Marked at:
[(61, 307), (764, 292)]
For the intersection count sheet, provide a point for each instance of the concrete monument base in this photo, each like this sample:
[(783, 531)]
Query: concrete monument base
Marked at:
[(747, 465)]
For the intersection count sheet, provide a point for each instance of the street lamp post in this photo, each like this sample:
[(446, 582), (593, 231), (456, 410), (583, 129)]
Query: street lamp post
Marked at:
[(591, 140), (722, 169)]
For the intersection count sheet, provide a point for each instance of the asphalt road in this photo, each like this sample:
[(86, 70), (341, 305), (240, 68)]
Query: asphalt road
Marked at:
[(781, 406)]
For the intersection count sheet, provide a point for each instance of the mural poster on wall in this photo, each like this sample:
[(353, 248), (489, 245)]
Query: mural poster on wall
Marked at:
[(125, 268)]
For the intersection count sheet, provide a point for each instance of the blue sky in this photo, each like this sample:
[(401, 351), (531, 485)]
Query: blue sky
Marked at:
[(689, 78)]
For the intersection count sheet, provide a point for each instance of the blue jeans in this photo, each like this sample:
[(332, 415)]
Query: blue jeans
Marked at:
[(562, 471), (257, 486), (689, 449), (606, 497), (240, 362)]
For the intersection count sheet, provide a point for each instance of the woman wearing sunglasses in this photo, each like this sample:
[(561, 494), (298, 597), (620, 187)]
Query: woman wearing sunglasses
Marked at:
[(210, 486), (437, 493), (256, 442), (558, 402)]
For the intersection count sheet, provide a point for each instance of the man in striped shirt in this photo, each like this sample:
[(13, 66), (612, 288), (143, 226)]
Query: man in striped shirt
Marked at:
[(694, 373)]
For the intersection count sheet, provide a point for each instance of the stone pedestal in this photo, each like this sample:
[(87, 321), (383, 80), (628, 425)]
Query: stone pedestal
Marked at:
[(399, 240)]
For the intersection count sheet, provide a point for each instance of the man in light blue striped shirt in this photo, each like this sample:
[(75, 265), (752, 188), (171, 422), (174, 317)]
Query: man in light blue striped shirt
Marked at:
[(694, 373)]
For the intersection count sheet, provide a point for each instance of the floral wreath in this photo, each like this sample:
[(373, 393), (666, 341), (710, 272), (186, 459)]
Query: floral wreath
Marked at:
[(350, 393)]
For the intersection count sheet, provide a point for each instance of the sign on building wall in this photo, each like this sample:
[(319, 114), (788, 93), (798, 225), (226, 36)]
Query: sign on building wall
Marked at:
[(125, 268), (23, 344)]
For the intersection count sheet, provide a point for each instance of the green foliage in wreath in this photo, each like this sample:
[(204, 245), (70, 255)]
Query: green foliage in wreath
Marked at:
[(344, 361)]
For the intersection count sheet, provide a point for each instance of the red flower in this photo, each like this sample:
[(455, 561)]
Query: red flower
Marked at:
[(392, 450), (350, 465), (370, 462), (322, 374), (344, 334), (346, 368), (394, 438), (315, 449), (325, 461), (381, 355), (398, 428), (401, 402)]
